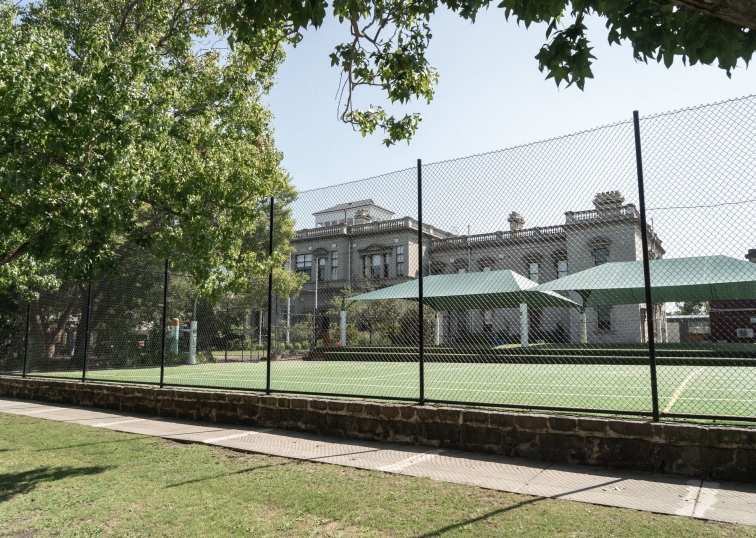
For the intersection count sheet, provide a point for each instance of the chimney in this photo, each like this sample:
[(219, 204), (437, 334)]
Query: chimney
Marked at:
[(516, 222), (751, 256), (362, 216), (608, 200)]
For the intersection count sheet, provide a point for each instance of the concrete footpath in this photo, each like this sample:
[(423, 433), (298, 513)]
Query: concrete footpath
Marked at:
[(666, 494)]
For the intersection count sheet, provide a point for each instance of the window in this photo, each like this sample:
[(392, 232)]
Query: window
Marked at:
[(400, 261), (561, 267), (698, 327), (488, 320), (376, 264), (533, 272), (304, 264), (321, 269), (600, 255), (604, 318), (334, 266)]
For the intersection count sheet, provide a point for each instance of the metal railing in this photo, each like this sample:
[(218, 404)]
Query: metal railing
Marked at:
[(621, 344)]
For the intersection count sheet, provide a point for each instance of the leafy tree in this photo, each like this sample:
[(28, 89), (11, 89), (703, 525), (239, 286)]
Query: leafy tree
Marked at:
[(115, 128), (692, 308), (389, 40), (390, 321)]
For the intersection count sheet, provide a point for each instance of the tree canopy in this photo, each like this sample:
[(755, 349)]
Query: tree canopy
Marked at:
[(390, 38), (117, 128)]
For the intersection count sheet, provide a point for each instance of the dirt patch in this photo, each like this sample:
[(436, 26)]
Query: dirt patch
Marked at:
[(21, 534)]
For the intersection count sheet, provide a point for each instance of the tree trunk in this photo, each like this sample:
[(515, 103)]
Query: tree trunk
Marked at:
[(55, 330)]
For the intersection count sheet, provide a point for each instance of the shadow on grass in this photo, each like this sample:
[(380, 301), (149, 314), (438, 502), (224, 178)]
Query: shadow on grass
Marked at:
[(515, 506), (135, 439), (492, 513), (12, 484), (224, 475)]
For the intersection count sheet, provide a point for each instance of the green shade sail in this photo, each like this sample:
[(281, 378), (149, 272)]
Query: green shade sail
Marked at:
[(702, 278), (465, 291)]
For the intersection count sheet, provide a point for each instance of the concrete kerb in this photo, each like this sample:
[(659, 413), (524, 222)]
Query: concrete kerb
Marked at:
[(697, 450)]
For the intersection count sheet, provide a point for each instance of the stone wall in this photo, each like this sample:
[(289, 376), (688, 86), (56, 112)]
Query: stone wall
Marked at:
[(706, 451)]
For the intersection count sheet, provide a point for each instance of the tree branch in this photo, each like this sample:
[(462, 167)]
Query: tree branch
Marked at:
[(124, 17), (14, 253), (739, 12)]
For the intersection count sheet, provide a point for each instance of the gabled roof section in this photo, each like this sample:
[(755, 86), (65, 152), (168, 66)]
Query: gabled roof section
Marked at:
[(352, 205)]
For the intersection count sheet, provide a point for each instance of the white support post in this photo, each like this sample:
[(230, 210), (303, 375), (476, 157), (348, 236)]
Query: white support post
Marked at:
[(259, 329), (288, 320), (583, 326), (343, 329), (665, 326), (437, 339), (193, 342), (524, 324)]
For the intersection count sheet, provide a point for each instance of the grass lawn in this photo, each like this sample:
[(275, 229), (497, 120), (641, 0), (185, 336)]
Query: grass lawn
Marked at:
[(64, 480), (716, 390)]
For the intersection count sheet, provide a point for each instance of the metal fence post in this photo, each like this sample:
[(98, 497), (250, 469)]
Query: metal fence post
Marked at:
[(421, 320), (646, 270), (26, 338), (270, 299), (165, 315), (86, 333)]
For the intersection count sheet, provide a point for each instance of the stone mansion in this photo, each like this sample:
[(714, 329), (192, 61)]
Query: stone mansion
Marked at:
[(362, 245)]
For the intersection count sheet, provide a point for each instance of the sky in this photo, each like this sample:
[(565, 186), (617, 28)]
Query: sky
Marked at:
[(491, 96)]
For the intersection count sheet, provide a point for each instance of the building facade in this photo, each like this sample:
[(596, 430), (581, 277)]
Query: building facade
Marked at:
[(734, 321), (350, 248)]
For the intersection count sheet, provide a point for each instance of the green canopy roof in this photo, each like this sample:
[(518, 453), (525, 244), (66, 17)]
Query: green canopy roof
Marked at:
[(489, 289), (703, 278)]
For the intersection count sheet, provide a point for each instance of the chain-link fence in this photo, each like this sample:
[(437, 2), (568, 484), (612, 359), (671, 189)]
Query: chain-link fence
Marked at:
[(609, 271)]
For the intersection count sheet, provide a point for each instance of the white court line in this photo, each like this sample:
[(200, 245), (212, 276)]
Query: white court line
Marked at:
[(409, 462), (702, 399), (42, 410), (227, 437), (706, 499), (688, 502), (119, 422), (680, 389)]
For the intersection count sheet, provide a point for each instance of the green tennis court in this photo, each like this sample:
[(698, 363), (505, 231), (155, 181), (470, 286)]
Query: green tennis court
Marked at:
[(616, 380)]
